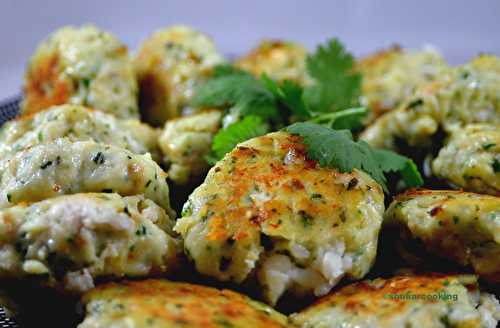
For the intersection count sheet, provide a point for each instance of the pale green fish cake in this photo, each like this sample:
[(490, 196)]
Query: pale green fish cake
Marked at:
[(169, 65), (69, 241), (185, 142), (460, 226), (471, 159), (164, 304), (280, 60), (392, 75), (460, 96), (81, 66), (63, 167), (430, 300), (77, 123), (266, 211)]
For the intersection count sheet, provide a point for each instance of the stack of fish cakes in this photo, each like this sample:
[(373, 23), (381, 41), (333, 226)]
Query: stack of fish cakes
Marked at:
[(82, 196), (75, 208)]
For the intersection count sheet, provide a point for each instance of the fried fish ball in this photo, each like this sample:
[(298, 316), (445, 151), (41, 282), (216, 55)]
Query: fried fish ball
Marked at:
[(460, 226), (169, 64), (390, 76), (77, 123), (266, 210), (185, 142), (68, 241), (165, 304), (471, 159), (63, 167), (464, 95), (430, 300), (280, 60), (81, 66)]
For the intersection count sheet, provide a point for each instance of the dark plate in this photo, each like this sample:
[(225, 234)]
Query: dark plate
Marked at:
[(9, 108)]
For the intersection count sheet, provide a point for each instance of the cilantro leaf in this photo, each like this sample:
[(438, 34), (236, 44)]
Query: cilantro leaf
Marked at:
[(241, 92), (350, 119), (391, 162), (226, 139), (336, 148), (228, 69), (290, 96), (336, 84)]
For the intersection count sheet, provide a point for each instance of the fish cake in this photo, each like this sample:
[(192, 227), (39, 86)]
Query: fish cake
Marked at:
[(81, 66), (63, 167), (392, 75), (459, 226), (463, 95), (267, 211), (425, 300), (68, 242), (280, 60), (169, 65), (471, 159), (185, 142), (77, 123), (164, 304)]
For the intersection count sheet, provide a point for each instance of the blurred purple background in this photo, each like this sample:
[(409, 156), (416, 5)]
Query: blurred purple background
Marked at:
[(460, 29)]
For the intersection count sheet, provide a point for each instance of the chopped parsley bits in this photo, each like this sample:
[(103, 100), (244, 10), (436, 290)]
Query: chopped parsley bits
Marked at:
[(98, 158), (45, 165), (316, 196), (496, 165), (142, 231), (488, 146), (415, 103), (306, 219), (343, 217)]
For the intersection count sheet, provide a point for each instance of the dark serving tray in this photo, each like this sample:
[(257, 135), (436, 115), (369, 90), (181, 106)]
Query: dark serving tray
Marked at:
[(9, 108)]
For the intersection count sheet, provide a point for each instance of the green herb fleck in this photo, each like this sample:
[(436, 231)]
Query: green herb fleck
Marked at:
[(98, 158), (496, 165), (489, 145), (415, 103), (316, 196), (46, 165), (307, 220), (141, 231)]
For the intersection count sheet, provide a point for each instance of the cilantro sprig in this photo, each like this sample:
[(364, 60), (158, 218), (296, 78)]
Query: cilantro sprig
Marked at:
[(249, 127), (240, 91), (336, 84), (337, 148), (325, 109)]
